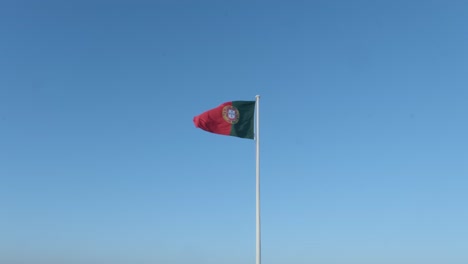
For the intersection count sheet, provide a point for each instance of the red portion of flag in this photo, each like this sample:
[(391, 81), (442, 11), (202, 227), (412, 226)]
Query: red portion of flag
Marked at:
[(213, 121)]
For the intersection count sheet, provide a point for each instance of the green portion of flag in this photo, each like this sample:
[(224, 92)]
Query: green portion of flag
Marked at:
[(244, 128)]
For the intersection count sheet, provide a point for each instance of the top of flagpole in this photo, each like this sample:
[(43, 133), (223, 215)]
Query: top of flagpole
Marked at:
[(257, 96)]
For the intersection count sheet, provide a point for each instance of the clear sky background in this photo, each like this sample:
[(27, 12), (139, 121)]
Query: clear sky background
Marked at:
[(363, 117)]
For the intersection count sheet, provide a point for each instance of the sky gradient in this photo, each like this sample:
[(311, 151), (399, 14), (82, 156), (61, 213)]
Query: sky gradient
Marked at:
[(363, 119)]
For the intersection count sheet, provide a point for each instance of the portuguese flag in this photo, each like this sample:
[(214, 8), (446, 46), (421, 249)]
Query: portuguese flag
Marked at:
[(234, 118)]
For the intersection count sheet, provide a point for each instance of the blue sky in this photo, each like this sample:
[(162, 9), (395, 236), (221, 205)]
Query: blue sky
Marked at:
[(363, 118)]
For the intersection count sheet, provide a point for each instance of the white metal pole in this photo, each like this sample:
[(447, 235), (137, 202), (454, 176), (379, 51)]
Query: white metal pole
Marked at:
[(257, 139)]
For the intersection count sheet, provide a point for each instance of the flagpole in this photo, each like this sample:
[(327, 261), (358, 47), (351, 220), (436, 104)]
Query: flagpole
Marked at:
[(257, 140)]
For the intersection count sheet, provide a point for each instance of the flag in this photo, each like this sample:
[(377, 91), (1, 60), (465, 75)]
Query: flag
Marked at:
[(234, 118)]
